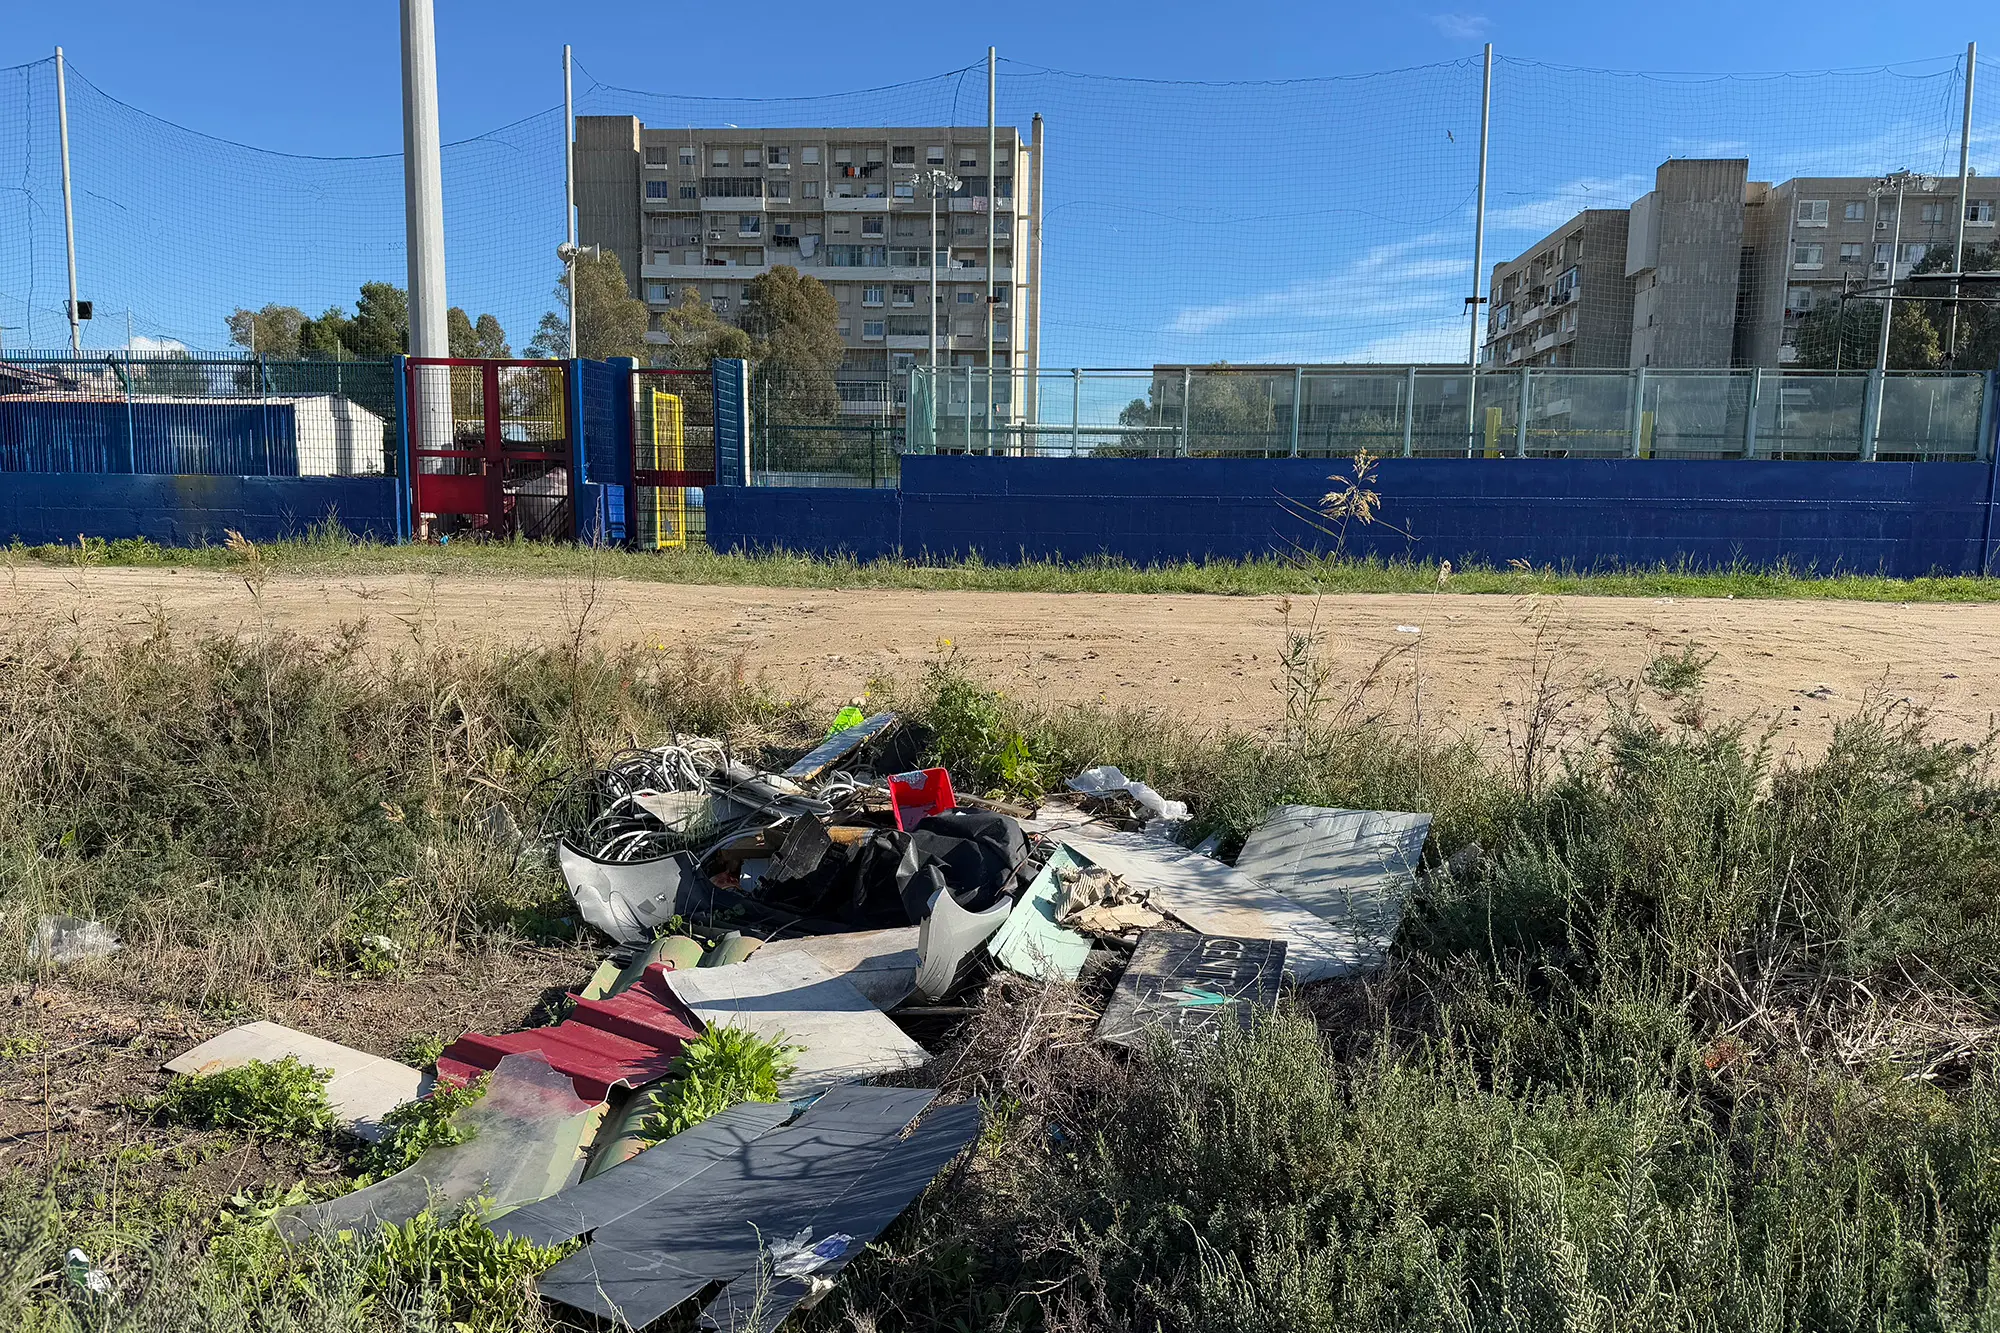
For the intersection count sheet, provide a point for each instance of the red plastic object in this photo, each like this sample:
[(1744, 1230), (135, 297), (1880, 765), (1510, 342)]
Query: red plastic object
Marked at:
[(916, 796), (630, 1039)]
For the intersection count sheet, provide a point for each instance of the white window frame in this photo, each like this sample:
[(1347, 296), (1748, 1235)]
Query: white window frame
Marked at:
[(1809, 255), (1979, 212), (809, 154), (871, 329), (1854, 210), (1811, 212), (687, 155), (871, 296)]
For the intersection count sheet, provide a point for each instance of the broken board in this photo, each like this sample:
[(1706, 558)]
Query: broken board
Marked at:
[(1218, 900), (881, 964), (362, 1089), (1031, 943), (1352, 868), (1184, 985), (840, 1034)]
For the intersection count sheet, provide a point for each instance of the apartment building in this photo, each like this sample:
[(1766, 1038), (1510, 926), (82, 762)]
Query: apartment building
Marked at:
[(710, 209), (1716, 269)]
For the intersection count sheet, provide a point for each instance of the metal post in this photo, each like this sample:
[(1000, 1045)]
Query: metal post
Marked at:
[(968, 409), (1187, 396), (423, 182), (1521, 417), (1750, 412), (1638, 410), (1033, 402), (1888, 318), (1409, 410), (1298, 389), (69, 209), (569, 195), (1478, 257), (931, 250), (1964, 183), (992, 202), (1075, 407)]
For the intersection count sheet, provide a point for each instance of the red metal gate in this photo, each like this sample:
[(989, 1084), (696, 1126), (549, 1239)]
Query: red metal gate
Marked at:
[(673, 456), (490, 447)]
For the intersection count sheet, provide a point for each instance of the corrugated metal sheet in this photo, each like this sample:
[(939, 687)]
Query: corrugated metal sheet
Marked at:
[(630, 1039)]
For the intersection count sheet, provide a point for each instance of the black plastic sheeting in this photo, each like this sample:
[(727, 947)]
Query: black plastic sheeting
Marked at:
[(841, 1173)]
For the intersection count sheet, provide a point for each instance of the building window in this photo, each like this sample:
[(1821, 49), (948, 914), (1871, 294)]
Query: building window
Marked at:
[(906, 189), (719, 158), (934, 155), (903, 157), (779, 189), (809, 155), (657, 190), (750, 224), (687, 155), (1811, 213), (846, 329), (843, 157), (656, 157), (968, 157), (1932, 212), (1979, 212), (1882, 253), (871, 296), (720, 304), (903, 295), (1914, 254), (874, 157), (871, 226), (968, 298), (1852, 252), (1808, 256), (778, 157), (656, 291), (689, 190), (1003, 224), (901, 362), (1799, 299), (1854, 210), (752, 157), (871, 328), (811, 190)]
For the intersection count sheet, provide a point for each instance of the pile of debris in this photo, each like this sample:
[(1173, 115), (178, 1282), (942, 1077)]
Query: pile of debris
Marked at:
[(833, 907)]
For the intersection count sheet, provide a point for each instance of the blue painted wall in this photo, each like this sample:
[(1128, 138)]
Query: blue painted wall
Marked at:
[(1903, 519), (38, 507), (215, 436)]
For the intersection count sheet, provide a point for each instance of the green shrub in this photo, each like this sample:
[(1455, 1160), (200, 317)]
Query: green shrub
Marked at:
[(283, 1098), (715, 1071), (416, 1127)]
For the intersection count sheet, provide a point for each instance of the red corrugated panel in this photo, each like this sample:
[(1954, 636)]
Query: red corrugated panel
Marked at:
[(631, 1039)]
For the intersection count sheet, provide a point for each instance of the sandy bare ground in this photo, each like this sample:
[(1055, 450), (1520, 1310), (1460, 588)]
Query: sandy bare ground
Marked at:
[(1214, 660)]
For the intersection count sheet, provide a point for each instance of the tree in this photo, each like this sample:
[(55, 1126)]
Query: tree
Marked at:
[(272, 331), (696, 335), (381, 323), (1919, 333), (794, 325), (1225, 411), (610, 321), (484, 340)]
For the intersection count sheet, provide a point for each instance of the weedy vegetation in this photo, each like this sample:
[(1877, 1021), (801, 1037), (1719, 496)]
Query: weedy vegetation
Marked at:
[(720, 1069), (1676, 1034)]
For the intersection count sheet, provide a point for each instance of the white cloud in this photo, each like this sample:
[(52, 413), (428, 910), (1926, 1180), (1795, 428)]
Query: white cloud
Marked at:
[(142, 343), (1566, 201), (1462, 27)]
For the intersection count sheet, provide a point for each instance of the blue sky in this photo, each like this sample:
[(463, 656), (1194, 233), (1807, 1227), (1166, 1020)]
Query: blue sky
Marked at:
[(1352, 242)]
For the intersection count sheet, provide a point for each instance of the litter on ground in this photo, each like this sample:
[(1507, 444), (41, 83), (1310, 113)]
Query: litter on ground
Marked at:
[(361, 1088)]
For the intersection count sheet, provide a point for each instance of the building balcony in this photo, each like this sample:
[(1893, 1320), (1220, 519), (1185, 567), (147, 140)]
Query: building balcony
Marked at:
[(854, 204), (752, 204)]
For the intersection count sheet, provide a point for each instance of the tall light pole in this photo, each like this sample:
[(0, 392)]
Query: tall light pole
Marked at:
[(1964, 180), (1478, 261), (423, 183), (992, 211), (1889, 185)]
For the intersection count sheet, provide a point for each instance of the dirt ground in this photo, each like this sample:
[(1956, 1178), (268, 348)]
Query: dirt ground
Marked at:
[(1214, 660)]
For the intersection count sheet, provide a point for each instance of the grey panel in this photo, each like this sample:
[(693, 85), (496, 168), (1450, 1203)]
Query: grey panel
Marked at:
[(620, 1285), (861, 1213), (630, 1186), (1352, 867), (854, 1106)]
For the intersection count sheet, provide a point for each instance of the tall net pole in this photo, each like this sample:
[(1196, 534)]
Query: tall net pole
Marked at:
[(1964, 202), (1478, 257), (992, 211), (69, 206), (423, 182), (569, 195)]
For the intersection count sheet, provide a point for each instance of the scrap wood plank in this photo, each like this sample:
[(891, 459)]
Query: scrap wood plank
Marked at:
[(1218, 900), (363, 1087)]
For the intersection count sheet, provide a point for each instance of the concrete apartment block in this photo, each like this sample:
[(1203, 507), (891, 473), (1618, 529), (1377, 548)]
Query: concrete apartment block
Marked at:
[(708, 209), (1720, 270)]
